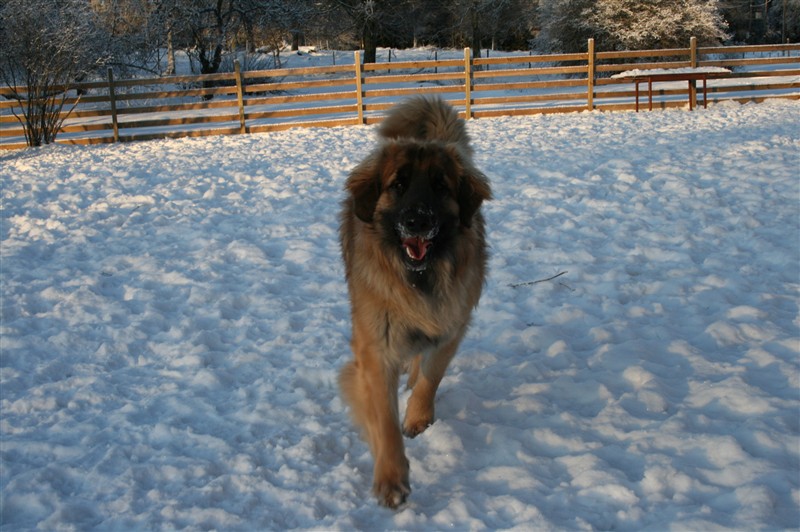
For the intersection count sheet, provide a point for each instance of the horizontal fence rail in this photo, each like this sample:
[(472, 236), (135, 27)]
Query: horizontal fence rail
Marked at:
[(117, 110)]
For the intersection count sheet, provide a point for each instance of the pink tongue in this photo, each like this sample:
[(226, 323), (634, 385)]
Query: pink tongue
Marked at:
[(416, 247)]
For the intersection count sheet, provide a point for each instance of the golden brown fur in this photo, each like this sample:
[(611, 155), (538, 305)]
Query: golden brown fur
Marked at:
[(413, 244)]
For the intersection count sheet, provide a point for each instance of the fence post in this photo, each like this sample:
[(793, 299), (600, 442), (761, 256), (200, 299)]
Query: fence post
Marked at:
[(359, 91), (467, 83), (590, 74), (693, 63), (237, 69), (112, 98)]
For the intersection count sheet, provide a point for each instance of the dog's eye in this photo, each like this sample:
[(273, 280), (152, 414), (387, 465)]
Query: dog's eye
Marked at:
[(398, 185), (440, 185)]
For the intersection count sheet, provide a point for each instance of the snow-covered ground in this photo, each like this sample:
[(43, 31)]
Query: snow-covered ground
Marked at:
[(174, 315)]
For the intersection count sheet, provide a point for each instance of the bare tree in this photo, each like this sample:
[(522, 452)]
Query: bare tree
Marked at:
[(210, 24), (561, 26), (272, 23), (377, 21), (47, 45), (482, 23), (366, 17), (139, 33), (212, 28)]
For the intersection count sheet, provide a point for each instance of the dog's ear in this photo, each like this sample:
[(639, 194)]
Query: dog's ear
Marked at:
[(364, 186), (366, 181), (473, 186), (473, 189)]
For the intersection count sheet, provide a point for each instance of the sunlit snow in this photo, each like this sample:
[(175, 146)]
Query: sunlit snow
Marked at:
[(174, 316)]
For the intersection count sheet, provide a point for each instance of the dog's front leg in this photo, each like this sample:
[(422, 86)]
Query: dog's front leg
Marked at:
[(369, 384), (390, 479), (427, 373)]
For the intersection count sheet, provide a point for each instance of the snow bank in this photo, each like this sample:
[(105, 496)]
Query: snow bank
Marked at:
[(174, 316), (661, 71)]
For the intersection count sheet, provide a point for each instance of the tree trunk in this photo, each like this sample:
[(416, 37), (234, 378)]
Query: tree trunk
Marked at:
[(476, 33), (249, 40), (370, 44), (170, 55), (297, 39)]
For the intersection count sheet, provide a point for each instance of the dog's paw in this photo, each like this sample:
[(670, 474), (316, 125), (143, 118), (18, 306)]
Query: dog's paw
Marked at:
[(413, 428), (390, 483), (392, 493), (419, 416)]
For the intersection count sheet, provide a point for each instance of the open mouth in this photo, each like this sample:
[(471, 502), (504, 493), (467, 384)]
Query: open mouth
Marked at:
[(417, 233), (416, 248)]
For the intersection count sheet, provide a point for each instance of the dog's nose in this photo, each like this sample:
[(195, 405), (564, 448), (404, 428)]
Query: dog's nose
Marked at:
[(417, 220)]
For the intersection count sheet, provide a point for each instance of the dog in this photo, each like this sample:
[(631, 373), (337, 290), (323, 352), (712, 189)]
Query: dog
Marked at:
[(413, 242)]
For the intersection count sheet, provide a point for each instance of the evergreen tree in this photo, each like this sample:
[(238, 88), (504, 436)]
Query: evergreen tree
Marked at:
[(636, 25), (628, 24)]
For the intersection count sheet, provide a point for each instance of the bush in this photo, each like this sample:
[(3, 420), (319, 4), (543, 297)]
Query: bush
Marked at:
[(47, 47)]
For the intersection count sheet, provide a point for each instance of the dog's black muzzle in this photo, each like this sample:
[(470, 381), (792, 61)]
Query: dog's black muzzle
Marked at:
[(417, 227)]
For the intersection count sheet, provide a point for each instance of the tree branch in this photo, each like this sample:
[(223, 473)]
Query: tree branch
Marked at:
[(528, 283)]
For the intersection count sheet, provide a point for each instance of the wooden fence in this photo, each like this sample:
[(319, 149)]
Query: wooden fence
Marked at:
[(349, 94)]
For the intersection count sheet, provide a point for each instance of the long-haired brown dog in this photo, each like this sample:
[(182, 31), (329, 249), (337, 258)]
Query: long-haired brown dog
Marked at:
[(413, 242)]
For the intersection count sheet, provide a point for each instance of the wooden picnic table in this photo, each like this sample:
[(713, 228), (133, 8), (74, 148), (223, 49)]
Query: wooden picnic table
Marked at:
[(691, 75)]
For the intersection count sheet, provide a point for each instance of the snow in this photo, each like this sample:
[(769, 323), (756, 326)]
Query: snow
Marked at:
[(662, 71), (174, 315)]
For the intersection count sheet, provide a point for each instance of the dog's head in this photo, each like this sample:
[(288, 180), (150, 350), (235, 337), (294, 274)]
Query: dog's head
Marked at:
[(420, 195)]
